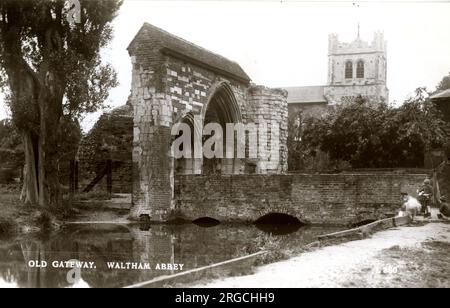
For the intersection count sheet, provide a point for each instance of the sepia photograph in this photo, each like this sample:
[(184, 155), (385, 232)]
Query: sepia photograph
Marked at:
[(224, 150)]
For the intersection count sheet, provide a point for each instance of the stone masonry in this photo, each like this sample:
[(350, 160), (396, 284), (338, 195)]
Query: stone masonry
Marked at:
[(174, 80), (315, 199), (110, 139), (369, 59), (357, 68)]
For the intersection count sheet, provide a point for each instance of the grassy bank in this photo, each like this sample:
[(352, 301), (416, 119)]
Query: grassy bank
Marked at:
[(415, 256), (17, 218), (423, 267)]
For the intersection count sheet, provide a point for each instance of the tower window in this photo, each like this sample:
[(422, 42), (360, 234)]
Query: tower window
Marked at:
[(360, 69), (348, 70)]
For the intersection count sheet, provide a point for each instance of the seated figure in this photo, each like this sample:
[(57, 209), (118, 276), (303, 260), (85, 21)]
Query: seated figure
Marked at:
[(444, 209)]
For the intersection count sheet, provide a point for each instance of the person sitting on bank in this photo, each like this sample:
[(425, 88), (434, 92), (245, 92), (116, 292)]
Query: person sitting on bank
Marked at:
[(410, 206), (444, 209), (425, 193)]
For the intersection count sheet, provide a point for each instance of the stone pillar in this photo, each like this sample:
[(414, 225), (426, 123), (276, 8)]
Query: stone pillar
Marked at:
[(270, 107), (153, 164)]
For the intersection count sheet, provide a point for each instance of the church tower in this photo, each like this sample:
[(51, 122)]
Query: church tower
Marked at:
[(357, 68)]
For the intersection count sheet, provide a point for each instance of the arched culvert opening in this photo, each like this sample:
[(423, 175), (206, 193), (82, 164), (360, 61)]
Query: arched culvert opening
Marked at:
[(278, 224), (206, 222)]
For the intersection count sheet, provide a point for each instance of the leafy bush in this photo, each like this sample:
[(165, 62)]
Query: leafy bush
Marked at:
[(7, 227), (274, 248), (7, 176), (374, 135)]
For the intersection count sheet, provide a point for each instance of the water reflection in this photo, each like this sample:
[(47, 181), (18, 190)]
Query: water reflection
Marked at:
[(206, 222), (278, 224), (187, 244), (279, 229)]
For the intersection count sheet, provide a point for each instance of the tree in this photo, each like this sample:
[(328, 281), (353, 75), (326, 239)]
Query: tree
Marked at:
[(9, 139), (11, 153), (52, 71), (444, 84), (351, 134)]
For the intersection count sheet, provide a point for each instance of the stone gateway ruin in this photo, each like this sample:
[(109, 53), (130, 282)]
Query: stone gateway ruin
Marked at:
[(175, 81)]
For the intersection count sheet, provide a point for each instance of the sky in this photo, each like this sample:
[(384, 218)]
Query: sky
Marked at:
[(285, 43)]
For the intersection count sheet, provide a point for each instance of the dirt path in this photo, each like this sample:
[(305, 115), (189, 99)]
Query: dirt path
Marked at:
[(416, 256), (114, 211)]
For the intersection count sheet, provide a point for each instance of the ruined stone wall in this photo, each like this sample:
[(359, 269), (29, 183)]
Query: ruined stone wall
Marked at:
[(317, 199), (152, 165), (270, 106), (164, 90), (111, 138), (172, 79)]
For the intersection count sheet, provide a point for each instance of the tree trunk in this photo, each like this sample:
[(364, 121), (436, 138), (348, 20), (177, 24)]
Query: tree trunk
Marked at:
[(29, 193), (41, 181), (49, 187), (40, 93)]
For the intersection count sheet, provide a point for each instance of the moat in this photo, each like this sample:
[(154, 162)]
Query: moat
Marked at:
[(122, 255)]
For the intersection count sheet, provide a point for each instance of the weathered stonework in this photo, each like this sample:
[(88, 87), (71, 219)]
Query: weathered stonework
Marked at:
[(175, 81), (317, 199), (111, 138), (370, 84), (269, 105), (343, 87)]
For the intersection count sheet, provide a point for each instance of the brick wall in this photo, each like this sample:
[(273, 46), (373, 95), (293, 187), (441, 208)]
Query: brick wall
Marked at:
[(317, 199)]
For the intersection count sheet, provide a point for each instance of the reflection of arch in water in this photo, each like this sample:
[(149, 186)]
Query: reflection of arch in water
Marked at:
[(278, 223), (206, 222)]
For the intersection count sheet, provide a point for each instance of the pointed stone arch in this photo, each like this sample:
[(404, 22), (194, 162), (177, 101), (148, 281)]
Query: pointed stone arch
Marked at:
[(222, 108), (223, 93)]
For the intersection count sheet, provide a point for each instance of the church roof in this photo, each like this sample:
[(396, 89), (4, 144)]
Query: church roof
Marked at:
[(304, 95), (178, 47), (442, 94)]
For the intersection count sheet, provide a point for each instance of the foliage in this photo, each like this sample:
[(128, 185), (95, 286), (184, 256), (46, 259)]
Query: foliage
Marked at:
[(7, 227), (11, 153), (376, 135), (52, 74), (70, 136), (48, 41), (444, 84), (274, 248), (7, 176), (9, 136)]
